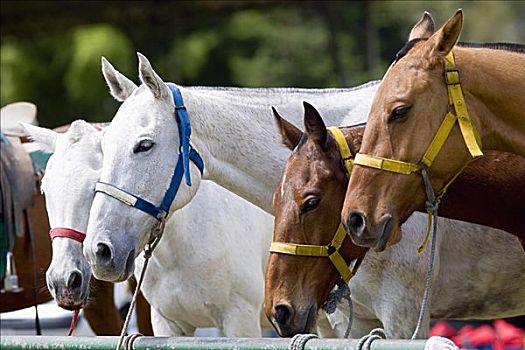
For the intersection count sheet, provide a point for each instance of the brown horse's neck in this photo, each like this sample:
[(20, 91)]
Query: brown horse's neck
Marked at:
[(354, 137), (493, 82)]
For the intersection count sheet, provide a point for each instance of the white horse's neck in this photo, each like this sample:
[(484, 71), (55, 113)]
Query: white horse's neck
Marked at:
[(236, 134)]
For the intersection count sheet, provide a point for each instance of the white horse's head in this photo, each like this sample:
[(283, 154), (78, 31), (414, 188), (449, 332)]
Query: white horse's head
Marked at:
[(141, 148), (68, 185)]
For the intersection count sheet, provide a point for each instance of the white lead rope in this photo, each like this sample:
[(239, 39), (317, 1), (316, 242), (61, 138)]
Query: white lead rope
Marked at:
[(156, 235)]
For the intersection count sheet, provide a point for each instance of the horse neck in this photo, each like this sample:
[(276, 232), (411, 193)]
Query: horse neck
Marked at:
[(493, 84), (239, 140), (354, 137)]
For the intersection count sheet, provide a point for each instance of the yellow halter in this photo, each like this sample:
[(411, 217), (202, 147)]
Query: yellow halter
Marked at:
[(331, 250), (457, 112)]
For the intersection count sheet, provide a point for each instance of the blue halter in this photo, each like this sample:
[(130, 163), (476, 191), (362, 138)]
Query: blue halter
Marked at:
[(182, 168), (3, 138)]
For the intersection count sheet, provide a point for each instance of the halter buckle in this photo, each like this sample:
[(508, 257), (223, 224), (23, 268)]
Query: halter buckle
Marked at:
[(452, 76)]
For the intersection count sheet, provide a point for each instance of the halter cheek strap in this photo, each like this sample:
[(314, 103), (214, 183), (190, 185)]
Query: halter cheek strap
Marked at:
[(331, 250), (67, 233), (144, 205)]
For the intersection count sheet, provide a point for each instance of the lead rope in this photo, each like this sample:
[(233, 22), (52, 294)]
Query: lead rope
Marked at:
[(432, 204), (73, 322), (156, 234), (29, 225), (299, 341), (335, 297)]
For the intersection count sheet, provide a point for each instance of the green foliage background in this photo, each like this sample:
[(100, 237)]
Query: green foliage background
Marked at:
[(50, 50)]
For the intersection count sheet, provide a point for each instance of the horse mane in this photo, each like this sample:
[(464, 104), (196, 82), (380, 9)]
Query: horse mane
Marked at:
[(512, 47), (281, 90)]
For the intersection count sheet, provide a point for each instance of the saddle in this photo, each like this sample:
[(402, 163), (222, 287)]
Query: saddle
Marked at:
[(17, 176)]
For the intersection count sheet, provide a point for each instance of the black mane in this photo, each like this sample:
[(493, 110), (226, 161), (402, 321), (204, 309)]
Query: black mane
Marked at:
[(513, 47)]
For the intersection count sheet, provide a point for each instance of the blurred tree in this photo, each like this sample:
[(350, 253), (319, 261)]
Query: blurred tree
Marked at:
[(83, 80)]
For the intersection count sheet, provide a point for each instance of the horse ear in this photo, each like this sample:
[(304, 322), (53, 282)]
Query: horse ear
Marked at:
[(290, 134), (120, 87), (314, 124), (79, 128), (151, 79), (447, 36), (45, 137), (423, 29)]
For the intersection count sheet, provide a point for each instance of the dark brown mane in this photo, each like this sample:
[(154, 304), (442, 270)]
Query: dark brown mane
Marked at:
[(406, 48), (512, 47), (302, 141)]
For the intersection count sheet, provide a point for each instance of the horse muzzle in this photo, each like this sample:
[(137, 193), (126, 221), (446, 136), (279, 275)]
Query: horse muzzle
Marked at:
[(364, 235), (289, 321), (110, 264), (70, 293)]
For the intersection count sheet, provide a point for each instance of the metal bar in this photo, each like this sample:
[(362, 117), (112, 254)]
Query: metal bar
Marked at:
[(187, 343)]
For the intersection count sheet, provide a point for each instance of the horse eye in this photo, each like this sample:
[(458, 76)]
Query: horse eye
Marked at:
[(398, 113), (310, 204), (143, 146)]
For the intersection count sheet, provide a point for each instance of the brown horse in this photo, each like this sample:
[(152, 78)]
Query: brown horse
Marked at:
[(307, 212), (32, 255), (478, 85)]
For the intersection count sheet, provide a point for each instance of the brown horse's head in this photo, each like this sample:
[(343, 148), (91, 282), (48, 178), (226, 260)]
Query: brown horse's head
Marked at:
[(406, 113), (307, 205)]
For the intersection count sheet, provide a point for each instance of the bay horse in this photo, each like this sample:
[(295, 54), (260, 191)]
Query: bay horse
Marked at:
[(387, 288), (478, 85), (32, 254), (230, 129)]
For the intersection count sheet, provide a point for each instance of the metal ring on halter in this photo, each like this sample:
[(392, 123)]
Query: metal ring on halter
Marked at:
[(299, 341)]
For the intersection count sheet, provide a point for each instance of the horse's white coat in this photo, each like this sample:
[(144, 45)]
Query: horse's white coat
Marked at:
[(234, 131), (472, 279)]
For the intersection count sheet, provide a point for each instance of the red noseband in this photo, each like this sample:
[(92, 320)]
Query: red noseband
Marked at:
[(68, 233)]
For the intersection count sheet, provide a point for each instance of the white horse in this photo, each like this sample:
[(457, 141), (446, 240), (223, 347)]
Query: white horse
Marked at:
[(472, 280), (232, 129), (204, 274), (68, 185)]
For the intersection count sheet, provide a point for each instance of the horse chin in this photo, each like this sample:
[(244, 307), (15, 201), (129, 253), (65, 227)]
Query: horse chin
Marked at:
[(387, 230), (70, 307), (130, 264), (71, 303)]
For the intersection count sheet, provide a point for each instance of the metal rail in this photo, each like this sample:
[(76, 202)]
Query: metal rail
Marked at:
[(187, 343)]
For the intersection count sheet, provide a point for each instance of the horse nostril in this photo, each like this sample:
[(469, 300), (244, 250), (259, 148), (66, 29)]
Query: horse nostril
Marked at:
[(75, 280), (357, 223), (104, 252), (283, 313)]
